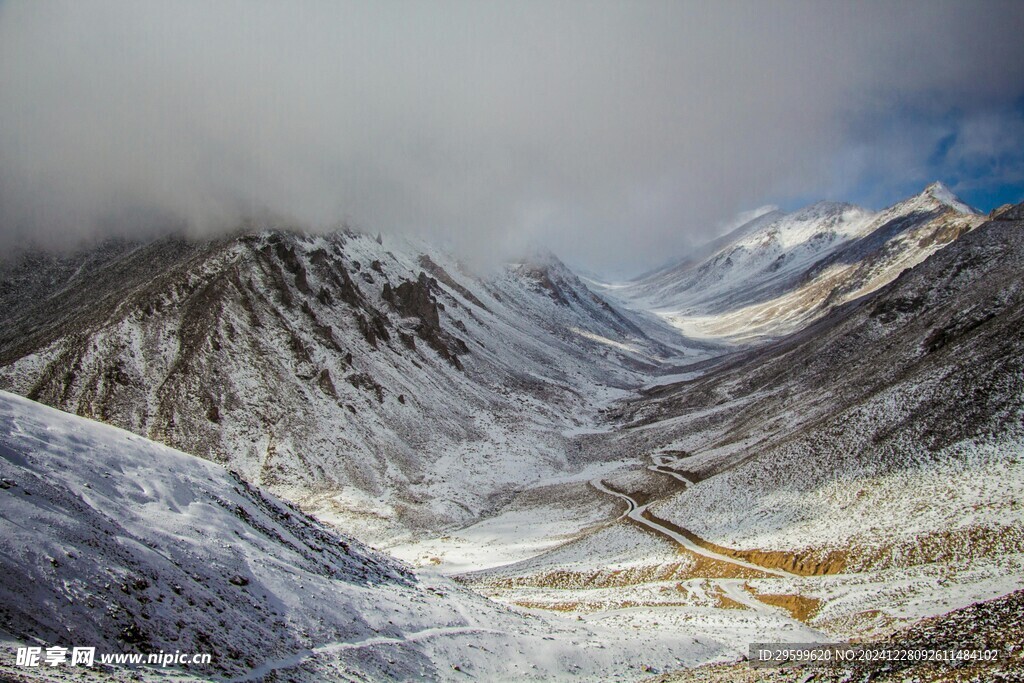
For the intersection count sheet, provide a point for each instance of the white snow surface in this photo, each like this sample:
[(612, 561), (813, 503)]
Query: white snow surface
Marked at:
[(107, 534)]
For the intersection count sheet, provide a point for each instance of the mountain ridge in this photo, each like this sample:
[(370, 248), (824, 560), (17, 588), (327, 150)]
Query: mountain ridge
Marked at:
[(325, 366), (779, 273)]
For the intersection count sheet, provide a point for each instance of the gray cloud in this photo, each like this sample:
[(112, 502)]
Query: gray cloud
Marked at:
[(614, 132)]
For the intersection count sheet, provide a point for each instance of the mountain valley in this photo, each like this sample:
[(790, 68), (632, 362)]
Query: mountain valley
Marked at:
[(810, 431)]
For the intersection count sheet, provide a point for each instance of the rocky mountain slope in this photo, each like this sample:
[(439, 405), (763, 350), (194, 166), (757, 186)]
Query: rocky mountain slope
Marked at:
[(381, 384), (890, 431), (778, 272), (991, 626), (115, 542)]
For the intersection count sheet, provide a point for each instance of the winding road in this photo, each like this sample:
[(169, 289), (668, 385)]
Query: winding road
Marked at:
[(731, 588), (662, 466), (635, 512)]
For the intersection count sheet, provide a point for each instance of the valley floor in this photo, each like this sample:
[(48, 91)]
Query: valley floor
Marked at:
[(589, 548)]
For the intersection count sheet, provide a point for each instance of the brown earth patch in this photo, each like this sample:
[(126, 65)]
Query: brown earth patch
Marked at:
[(565, 606), (808, 562), (801, 607), (702, 567), (723, 601), (710, 568)]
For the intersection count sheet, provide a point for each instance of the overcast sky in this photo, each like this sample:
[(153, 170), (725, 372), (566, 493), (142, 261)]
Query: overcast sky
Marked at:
[(616, 133)]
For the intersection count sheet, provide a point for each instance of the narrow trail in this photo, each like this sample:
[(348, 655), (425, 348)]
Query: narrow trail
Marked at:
[(298, 658), (662, 469), (734, 590), (635, 512)]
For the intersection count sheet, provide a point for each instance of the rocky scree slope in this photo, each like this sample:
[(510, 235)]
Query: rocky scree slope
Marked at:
[(993, 624)]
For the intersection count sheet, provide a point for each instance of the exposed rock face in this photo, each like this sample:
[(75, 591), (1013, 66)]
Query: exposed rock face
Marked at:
[(1009, 212), (413, 299), (441, 274)]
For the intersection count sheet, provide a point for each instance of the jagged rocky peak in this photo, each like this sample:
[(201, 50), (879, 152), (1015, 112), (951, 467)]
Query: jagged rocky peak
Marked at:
[(1008, 212), (545, 271), (413, 298)]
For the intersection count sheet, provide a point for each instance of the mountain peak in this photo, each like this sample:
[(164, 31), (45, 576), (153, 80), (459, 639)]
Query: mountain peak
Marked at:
[(940, 193)]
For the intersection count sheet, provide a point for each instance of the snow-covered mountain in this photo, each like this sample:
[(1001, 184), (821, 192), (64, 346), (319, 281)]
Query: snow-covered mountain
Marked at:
[(778, 272), (114, 542), (378, 382), (930, 371)]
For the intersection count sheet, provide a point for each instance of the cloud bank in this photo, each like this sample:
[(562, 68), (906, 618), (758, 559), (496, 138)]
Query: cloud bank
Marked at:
[(615, 133)]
